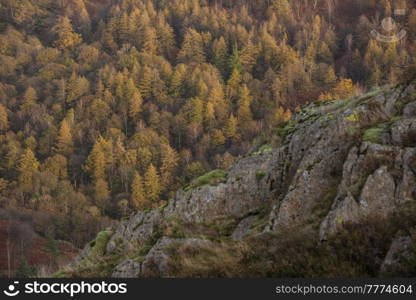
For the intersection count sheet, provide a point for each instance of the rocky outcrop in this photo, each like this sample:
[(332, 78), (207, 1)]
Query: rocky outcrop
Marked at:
[(397, 254), (339, 162)]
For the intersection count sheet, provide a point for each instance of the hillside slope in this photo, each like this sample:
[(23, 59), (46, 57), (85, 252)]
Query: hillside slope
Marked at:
[(336, 198)]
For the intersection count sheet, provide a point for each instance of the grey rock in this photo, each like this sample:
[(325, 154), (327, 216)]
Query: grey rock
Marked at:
[(243, 228), (158, 260), (127, 269), (399, 248)]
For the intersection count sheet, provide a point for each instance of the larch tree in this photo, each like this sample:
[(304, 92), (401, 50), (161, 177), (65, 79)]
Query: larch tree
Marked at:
[(149, 40), (64, 144), (96, 163), (231, 127), (4, 119), (192, 47), (66, 38), (27, 166), (170, 159), (243, 105), (138, 197), (152, 183), (101, 192), (135, 104)]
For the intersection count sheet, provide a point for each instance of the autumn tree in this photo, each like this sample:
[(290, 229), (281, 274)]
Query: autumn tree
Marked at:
[(27, 166), (152, 183), (66, 38), (4, 121), (64, 144), (169, 158), (138, 196), (192, 47)]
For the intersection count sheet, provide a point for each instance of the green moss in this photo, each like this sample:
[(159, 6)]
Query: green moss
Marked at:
[(266, 148), (373, 135), (290, 127), (61, 274), (99, 244), (139, 259), (260, 175), (212, 178)]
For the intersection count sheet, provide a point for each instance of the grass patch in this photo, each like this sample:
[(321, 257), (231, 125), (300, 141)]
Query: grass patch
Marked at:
[(263, 149), (321, 208), (373, 135), (212, 178), (357, 250), (290, 127)]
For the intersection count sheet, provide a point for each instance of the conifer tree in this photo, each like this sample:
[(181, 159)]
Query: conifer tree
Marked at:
[(170, 159), (244, 102), (27, 166), (149, 41), (152, 183), (220, 55), (135, 104), (138, 197), (101, 192), (145, 83), (64, 144), (66, 38), (4, 119), (192, 47), (231, 127), (96, 163)]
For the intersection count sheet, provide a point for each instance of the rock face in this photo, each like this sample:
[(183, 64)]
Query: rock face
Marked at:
[(338, 162), (399, 251)]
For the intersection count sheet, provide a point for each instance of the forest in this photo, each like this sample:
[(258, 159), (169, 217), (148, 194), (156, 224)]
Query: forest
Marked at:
[(108, 107)]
